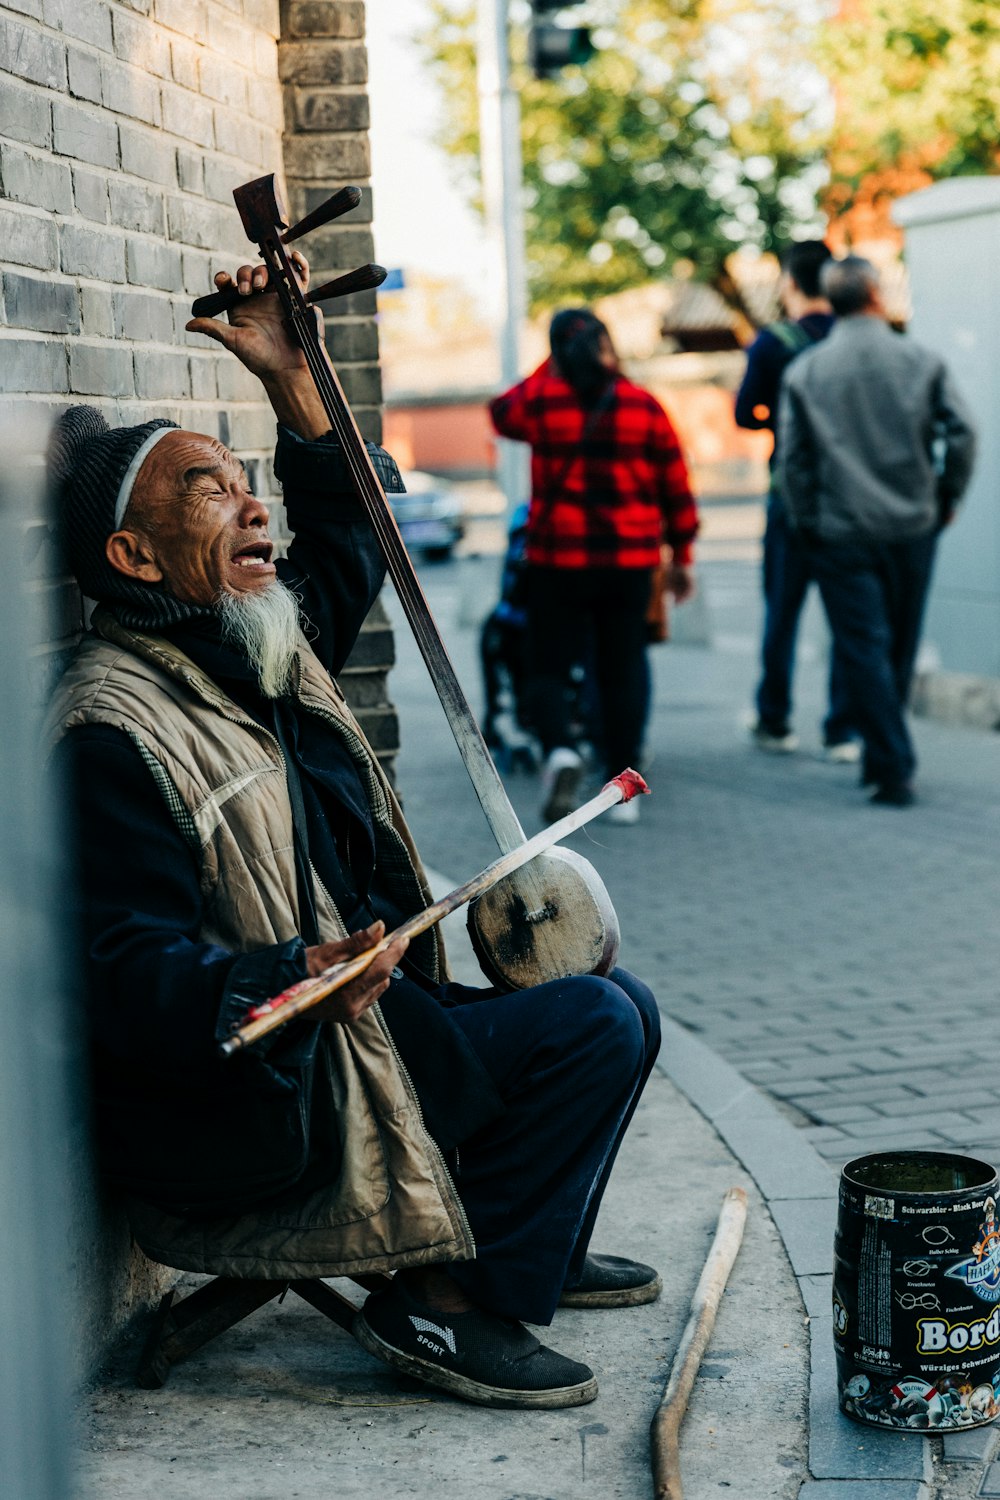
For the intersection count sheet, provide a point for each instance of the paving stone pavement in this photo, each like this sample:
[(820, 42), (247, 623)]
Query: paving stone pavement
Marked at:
[(843, 958), (846, 958), (853, 961)]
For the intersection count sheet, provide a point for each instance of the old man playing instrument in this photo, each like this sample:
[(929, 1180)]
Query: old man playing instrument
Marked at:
[(236, 835)]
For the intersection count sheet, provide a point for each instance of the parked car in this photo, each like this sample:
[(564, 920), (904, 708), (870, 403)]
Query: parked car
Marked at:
[(429, 515)]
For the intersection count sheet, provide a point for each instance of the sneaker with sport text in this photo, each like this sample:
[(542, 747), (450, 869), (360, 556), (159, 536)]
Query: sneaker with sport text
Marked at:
[(475, 1355)]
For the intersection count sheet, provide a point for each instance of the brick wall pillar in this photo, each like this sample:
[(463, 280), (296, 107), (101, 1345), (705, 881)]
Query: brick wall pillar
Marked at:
[(323, 66)]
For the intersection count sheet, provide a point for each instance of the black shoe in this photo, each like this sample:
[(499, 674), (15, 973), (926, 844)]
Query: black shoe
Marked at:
[(482, 1358), (611, 1281), (893, 794)]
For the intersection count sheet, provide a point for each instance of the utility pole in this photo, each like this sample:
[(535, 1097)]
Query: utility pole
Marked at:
[(500, 164)]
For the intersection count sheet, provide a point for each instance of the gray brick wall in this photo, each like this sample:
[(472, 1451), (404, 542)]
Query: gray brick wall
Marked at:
[(323, 66), (124, 127)]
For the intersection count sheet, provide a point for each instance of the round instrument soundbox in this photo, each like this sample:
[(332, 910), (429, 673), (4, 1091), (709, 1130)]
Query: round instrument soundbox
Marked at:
[(548, 920)]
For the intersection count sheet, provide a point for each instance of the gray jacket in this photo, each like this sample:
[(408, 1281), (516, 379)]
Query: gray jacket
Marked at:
[(873, 439)]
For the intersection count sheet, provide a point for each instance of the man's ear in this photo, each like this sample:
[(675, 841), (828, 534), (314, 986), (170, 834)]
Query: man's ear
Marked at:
[(876, 303), (131, 554)]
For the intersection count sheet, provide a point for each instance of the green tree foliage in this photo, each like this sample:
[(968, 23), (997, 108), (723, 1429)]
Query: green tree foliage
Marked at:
[(674, 146), (917, 86)]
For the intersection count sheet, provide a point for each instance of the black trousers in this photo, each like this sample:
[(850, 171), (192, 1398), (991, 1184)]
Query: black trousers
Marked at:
[(596, 616), (874, 595), (569, 1060)]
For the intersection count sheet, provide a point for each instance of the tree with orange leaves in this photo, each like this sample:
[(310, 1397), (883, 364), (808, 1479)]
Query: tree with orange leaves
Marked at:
[(917, 87), (694, 131)]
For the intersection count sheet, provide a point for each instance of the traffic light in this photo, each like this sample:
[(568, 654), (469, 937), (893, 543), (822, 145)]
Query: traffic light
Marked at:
[(551, 46)]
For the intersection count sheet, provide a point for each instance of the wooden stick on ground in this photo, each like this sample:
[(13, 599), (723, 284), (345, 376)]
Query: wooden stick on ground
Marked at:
[(666, 1424)]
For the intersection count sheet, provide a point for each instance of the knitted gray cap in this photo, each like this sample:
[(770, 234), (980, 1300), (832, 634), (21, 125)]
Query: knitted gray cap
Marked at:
[(87, 462)]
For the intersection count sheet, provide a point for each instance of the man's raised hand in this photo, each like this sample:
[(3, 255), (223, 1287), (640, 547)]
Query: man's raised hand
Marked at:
[(256, 332), (261, 339)]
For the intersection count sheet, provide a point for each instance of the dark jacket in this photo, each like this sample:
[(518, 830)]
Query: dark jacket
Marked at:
[(768, 357), (874, 441)]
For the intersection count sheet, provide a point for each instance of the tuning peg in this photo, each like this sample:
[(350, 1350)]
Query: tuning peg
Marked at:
[(341, 203), (219, 302), (364, 279)]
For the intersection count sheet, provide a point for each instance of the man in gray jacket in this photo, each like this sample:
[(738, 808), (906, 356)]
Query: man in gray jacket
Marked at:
[(876, 448)]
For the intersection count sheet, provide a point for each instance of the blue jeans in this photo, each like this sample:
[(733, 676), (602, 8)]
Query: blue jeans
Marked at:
[(874, 595), (787, 576), (570, 1060)]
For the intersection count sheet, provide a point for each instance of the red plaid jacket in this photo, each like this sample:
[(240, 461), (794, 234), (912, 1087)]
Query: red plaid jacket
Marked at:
[(605, 497)]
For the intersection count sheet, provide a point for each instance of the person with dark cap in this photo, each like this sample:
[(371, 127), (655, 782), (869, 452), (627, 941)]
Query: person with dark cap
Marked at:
[(236, 834), (609, 486), (787, 577)]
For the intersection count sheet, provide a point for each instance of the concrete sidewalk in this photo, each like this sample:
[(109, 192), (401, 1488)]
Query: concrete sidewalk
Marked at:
[(841, 958), (287, 1406)]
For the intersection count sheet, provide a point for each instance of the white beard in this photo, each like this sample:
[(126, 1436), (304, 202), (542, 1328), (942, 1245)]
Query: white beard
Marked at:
[(264, 625)]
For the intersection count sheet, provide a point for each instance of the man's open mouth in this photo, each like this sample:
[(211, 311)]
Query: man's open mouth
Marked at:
[(256, 555)]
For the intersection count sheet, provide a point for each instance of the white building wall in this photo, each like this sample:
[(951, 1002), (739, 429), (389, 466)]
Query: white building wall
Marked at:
[(953, 255)]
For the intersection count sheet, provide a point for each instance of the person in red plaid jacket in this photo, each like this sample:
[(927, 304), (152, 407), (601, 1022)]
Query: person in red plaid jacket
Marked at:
[(609, 486)]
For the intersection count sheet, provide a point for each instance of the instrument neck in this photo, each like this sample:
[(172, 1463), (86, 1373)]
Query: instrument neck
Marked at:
[(485, 778)]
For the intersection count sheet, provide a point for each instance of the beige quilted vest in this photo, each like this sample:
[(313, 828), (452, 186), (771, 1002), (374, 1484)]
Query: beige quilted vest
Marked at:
[(222, 777)]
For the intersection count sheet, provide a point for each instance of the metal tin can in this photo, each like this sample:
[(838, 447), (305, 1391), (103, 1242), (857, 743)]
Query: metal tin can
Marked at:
[(916, 1291)]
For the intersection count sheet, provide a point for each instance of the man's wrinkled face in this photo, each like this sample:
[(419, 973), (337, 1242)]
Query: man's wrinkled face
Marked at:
[(196, 526)]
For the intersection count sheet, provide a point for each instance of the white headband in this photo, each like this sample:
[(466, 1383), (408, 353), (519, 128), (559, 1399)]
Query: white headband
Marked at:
[(132, 472)]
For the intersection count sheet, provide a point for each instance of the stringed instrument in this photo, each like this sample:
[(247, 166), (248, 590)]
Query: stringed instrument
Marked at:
[(261, 1020), (552, 917)]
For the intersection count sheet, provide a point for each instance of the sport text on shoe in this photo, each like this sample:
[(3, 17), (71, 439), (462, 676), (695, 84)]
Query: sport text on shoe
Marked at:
[(445, 1334)]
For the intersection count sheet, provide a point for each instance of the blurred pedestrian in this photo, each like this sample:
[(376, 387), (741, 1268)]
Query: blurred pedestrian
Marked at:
[(875, 448), (808, 319), (609, 486)]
